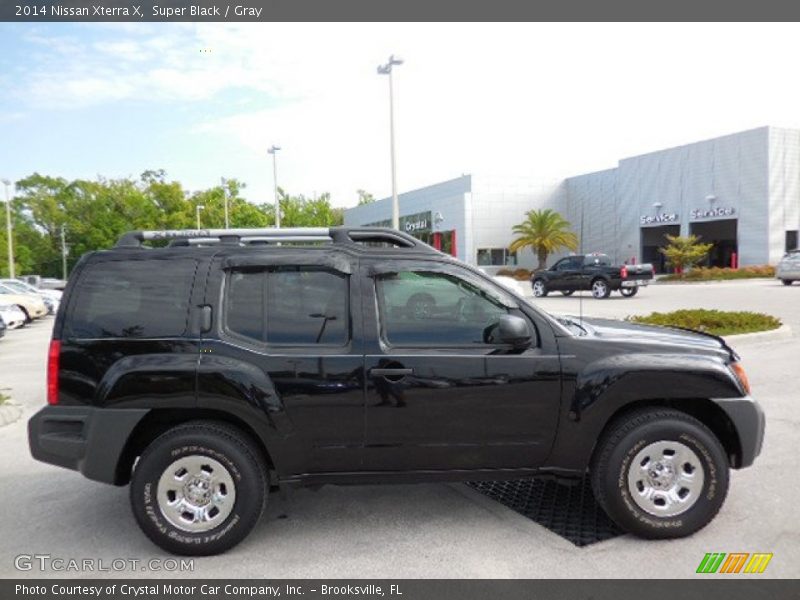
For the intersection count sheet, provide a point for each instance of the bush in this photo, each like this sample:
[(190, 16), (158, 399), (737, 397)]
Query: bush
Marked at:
[(522, 274), (720, 274), (505, 273), (717, 322)]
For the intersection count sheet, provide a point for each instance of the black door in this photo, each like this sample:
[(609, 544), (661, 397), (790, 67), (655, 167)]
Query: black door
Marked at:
[(439, 397), (290, 344)]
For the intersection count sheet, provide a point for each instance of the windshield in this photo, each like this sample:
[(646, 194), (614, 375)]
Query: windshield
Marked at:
[(18, 286), (597, 260)]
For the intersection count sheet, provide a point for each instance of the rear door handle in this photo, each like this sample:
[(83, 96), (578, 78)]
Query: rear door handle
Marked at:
[(397, 372)]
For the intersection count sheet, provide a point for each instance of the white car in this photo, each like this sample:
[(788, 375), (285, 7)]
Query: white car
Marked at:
[(12, 316), (51, 298), (788, 270)]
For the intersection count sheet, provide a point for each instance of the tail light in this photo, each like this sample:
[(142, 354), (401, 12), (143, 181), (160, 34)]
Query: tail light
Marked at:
[(53, 359), (623, 272)]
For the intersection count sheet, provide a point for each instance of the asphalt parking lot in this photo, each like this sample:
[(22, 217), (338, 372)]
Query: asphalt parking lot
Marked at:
[(430, 530)]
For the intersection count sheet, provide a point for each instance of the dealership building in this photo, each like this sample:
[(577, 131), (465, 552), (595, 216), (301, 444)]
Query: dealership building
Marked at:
[(740, 192)]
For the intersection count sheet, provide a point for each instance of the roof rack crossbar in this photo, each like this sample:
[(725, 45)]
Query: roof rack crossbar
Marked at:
[(338, 235)]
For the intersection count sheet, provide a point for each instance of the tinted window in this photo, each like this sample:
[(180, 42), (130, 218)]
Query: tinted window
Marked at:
[(246, 313), (302, 307), (137, 299), (434, 309), (594, 260)]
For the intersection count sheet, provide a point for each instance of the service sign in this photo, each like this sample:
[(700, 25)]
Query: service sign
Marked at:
[(658, 219), (712, 213)]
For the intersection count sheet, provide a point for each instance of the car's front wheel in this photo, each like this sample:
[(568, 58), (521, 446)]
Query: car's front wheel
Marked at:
[(660, 473), (787, 281), (540, 288), (199, 488)]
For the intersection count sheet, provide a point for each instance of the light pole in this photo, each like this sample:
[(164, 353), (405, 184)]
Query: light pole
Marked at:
[(11, 274), (63, 254), (225, 201), (197, 210), (274, 152), (387, 70)]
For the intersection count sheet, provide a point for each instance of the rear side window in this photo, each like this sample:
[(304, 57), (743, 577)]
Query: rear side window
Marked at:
[(133, 299), (292, 306)]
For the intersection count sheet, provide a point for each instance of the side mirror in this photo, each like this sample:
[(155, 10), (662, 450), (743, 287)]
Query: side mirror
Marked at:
[(513, 330)]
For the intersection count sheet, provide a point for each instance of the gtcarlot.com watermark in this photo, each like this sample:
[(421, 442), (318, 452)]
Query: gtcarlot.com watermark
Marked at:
[(61, 564)]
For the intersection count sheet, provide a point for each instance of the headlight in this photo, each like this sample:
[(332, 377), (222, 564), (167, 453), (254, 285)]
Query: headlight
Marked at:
[(738, 370)]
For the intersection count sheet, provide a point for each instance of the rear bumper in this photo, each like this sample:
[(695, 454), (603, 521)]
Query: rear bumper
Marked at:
[(86, 439), (635, 282), (787, 273), (748, 418)]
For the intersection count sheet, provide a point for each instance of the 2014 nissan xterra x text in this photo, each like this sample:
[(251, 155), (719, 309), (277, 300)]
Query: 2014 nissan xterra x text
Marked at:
[(209, 371)]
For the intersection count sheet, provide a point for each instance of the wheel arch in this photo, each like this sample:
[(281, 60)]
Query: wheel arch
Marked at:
[(704, 410), (158, 421)]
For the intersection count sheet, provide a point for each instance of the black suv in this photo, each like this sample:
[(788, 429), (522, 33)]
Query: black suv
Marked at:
[(208, 372)]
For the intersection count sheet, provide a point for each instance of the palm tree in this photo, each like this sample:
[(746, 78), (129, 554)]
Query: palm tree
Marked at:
[(545, 232)]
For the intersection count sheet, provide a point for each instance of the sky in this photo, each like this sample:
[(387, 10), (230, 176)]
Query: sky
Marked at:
[(204, 101)]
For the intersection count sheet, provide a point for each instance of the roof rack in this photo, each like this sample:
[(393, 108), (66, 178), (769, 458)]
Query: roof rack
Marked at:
[(337, 235)]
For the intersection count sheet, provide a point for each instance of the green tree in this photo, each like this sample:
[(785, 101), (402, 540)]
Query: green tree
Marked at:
[(544, 232), (684, 251), (364, 197)]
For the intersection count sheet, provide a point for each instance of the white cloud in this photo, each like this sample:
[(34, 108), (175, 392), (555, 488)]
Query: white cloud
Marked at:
[(542, 99)]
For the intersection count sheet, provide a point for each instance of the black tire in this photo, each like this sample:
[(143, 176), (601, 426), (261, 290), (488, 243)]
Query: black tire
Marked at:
[(568, 292), (600, 288), (629, 292), (634, 434), (539, 288), (198, 441), (787, 281), (25, 312)]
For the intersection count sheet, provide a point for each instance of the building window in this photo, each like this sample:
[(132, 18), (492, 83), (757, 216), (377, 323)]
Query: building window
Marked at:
[(496, 257), (791, 241)]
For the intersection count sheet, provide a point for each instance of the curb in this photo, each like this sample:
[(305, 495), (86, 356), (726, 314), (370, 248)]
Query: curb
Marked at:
[(9, 413), (710, 281), (781, 333)]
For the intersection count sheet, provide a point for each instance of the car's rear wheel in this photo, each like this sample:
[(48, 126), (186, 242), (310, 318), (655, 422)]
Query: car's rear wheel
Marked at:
[(25, 312), (787, 281), (660, 473), (600, 288), (568, 292), (540, 288), (199, 488), (629, 292)]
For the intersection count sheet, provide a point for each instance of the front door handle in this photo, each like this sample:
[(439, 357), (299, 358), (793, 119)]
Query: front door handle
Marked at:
[(396, 372)]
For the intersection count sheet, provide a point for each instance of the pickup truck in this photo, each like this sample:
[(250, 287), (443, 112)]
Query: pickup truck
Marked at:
[(593, 272)]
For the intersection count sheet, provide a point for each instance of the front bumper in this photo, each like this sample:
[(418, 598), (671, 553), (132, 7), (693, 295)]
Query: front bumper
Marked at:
[(83, 438), (748, 419)]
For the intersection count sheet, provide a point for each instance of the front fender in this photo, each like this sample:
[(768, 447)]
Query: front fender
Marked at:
[(595, 391), (614, 381)]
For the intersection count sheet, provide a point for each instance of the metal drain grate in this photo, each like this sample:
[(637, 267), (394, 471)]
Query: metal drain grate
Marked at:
[(567, 510)]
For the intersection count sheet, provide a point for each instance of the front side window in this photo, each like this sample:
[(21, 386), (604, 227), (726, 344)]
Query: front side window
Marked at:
[(133, 299), (419, 308), (288, 306)]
